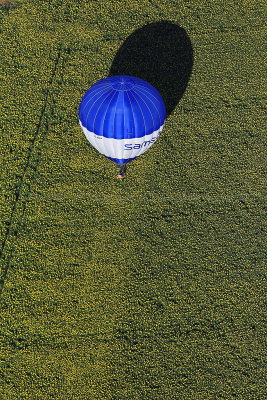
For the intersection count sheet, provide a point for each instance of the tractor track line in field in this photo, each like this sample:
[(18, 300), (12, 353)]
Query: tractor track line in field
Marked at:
[(12, 230)]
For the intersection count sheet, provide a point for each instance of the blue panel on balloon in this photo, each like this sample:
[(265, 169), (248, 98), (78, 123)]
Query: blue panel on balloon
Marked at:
[(122, 107)]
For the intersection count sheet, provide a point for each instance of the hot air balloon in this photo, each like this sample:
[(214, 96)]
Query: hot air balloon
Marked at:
[(122, 116)]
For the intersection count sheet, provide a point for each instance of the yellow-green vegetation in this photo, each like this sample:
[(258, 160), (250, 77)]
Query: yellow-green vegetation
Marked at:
[(151, 287)]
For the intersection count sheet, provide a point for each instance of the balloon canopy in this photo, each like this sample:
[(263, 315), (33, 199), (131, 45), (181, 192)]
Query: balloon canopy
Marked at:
[(122, 116)]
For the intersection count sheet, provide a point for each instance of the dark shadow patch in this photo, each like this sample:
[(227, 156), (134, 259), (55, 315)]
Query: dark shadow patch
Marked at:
[(160, 53)]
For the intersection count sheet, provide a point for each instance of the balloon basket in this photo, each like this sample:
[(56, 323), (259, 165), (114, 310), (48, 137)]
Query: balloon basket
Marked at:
[(122, 171)]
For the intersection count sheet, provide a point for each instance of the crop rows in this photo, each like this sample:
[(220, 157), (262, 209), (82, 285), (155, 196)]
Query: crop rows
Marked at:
[(23, 186), (151, 287)]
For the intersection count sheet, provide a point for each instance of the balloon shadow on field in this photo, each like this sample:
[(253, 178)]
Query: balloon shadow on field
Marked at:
[(160, 53)]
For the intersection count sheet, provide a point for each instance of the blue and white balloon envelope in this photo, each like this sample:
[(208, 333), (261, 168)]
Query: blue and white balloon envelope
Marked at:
[(122, 116)]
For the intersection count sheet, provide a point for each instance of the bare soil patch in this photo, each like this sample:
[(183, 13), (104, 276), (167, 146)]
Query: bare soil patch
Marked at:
[(9, 3)]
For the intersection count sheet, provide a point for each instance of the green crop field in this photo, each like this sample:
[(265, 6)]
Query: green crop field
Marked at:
[(151, 287)]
